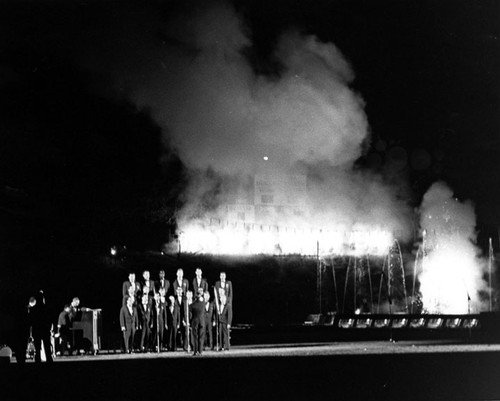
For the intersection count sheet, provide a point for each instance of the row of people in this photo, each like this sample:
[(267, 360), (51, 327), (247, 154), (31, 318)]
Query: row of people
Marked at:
[(180, 322), (135, 289)]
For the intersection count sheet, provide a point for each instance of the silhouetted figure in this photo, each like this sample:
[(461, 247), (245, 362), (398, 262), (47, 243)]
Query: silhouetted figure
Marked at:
[(40, 328), (21, 331), (197, 311)]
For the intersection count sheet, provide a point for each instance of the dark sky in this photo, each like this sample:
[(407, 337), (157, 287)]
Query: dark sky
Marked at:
[(79, 161)]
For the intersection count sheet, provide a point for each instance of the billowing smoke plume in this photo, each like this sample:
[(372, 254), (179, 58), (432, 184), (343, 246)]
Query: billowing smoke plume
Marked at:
[(452, 269), (294, 135)]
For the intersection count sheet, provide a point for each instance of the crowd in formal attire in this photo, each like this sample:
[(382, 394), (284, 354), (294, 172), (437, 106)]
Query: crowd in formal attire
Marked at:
[(157, 315)]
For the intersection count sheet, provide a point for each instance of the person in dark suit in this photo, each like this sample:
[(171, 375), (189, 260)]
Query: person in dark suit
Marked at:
[(159, 321), (225, 318), (188, 333), (130, 283), (129, 322), (131, 294), (199, 282), (40, 328), (75, 312), (63, 331), (21, 329), (173, 323), (148, 285), (145, 323), (181, 305), (181, 282), (162, 283), (197, 312), (209, 320), (226, 286)]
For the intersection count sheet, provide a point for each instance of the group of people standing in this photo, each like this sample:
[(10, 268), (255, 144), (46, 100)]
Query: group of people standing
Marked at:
[(37, 335), (159, 316)]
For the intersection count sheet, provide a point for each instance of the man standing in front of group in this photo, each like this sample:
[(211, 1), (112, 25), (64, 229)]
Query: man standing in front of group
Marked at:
[(197, 311)]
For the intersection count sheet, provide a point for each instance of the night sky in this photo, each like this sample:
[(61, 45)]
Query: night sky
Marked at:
[(82, 167)]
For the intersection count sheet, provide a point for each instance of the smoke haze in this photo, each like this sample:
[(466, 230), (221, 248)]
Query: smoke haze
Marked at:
[(220, 116)]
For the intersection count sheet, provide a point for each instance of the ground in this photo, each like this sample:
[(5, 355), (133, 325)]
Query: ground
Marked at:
[(379, 370)]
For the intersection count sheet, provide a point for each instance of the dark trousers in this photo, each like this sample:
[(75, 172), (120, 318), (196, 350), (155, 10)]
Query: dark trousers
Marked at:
[(172, 338), (185, 334), (128, 338), (224, 336), (198, 329), (209, 338), (64, 340), (145, 337), (40, 337), (158, 333)]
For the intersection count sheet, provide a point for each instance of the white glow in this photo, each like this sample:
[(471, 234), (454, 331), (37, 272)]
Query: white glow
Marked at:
[(237, 238), (450, 278)]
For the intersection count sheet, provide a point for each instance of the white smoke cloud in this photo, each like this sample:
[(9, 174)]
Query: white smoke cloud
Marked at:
[(218, 114), (452, 275)]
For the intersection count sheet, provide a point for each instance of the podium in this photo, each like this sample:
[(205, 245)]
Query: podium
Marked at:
[(87, 331)]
